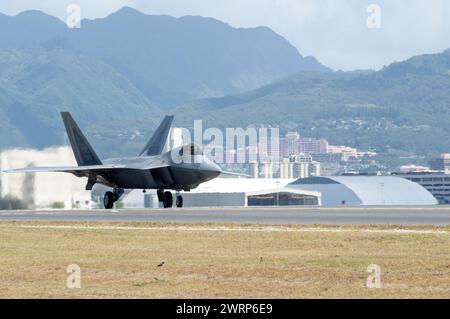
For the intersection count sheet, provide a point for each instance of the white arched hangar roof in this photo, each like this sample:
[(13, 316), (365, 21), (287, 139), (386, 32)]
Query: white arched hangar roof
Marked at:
[(366, 190)]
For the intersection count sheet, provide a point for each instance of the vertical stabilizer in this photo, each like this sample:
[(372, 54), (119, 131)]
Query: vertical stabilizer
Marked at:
[(84, 153), (156, 143)]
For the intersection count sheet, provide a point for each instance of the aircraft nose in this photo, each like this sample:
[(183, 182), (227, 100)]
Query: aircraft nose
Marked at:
[(212, 167), (217, 168)]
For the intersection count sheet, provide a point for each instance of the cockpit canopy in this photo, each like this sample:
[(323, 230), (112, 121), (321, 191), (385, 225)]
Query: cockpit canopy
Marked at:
[(190, 149)]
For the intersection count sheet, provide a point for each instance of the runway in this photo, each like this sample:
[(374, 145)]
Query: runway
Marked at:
[(438, 216)]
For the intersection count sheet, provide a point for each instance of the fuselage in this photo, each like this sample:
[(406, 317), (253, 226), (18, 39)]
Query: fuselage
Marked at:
[(131, 172)]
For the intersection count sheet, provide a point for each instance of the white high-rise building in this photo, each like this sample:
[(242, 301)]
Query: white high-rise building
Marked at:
[(267, 169), (254, 169), (301, 170), (286, 169)]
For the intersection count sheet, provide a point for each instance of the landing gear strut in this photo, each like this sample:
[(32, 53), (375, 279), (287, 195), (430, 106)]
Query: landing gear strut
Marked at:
[(111, 197)]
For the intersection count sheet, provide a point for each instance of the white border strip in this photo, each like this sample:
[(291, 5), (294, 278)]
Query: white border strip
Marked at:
[(261, 229)]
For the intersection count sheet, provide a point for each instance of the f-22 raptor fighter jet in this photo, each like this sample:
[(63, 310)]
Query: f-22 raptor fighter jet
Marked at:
[(152, 169)]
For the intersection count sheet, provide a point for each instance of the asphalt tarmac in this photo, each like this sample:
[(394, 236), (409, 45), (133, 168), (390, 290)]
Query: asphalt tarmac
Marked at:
[(435, 215)]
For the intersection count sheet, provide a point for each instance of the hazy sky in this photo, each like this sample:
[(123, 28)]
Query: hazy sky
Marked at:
[(334, 31)]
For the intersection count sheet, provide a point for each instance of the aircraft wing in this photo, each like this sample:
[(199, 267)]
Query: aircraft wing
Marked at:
[(234, 174), (79, 170), (62, 169)]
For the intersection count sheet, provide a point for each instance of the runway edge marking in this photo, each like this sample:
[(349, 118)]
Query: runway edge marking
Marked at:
[(236, 229)]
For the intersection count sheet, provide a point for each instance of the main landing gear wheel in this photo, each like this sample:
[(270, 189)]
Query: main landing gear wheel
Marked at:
[(108, 200), (179, 201), (111, 197), (168, 199)]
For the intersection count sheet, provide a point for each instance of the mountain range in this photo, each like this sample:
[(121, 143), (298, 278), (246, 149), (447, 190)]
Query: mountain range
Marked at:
[(120, 74), (37, 84), (170, 60), (404, 106), (117, 71)]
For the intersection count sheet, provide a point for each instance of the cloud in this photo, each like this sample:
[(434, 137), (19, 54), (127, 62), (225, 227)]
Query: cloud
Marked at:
[(334, 31)]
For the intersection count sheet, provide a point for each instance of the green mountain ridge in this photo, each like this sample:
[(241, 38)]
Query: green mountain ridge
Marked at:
[(170, 60), (405, 106), (37, 84), (120, 74)]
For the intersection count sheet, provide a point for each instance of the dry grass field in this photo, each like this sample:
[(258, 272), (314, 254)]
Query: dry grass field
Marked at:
[(120, 260)]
